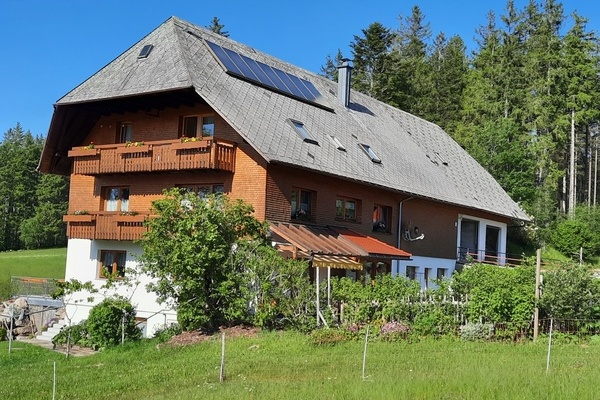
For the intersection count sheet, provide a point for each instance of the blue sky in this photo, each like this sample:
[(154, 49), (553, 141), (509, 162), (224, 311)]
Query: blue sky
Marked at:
[(51, 46)]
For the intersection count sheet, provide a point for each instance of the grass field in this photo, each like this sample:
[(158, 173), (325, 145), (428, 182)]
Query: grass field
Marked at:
[(47, 263), (288, 366)]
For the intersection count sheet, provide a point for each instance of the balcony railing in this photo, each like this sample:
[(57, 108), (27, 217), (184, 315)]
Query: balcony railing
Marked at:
[(164, 155), (105, 226), (466, 255)]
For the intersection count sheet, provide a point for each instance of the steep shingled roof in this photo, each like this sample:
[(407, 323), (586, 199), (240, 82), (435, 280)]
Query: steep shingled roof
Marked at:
[(417, 157)]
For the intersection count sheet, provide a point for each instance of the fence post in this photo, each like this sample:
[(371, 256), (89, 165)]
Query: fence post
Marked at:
[(536, 314)]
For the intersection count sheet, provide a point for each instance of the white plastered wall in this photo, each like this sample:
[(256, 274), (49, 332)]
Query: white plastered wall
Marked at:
[(483, 224), (83, 265)]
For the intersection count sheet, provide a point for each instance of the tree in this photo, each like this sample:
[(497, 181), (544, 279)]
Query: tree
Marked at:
[(371, 53), (329, 70), (19, 156), (217, 27), (210, 258), (46, 228)]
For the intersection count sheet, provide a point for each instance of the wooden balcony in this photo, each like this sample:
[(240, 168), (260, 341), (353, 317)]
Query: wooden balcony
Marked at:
[(105, 226), (164, 155)]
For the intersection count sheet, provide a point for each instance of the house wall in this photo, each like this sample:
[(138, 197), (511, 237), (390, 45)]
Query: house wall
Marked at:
[(83, 264), (281, 180), (247, 183)]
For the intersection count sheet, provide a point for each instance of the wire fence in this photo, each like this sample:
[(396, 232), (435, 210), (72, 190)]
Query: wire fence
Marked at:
[(23, 286)]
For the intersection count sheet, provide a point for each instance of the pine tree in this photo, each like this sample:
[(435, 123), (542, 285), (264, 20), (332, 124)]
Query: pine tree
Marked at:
[(217, 27), (329, 70)]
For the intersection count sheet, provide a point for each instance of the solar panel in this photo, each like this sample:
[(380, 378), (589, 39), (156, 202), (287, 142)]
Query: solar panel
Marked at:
[(270, 77)]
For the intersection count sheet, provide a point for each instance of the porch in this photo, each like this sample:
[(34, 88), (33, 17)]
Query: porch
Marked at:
[(162, 155)]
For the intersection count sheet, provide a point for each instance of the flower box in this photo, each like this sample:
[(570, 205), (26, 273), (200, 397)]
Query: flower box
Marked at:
[(133, 149), (130, 218), (191, 145), (78, 218), (82, 152)]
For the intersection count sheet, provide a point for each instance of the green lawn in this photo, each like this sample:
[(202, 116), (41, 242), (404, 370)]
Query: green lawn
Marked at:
[(46, 263), (288, 366)]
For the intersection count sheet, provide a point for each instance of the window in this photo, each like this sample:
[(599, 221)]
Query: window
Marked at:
[(411, 272), (426, 277), (441, 273), (382, 218), (203, 190), (190, 126), (112, 262), (117, 199), (337, 143), (303, 132), (302, 204), (145, 52), (347, 209), (367, 149), (208, 126), (125, 130)]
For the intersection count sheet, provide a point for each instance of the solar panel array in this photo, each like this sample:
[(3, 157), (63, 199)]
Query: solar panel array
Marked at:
[(265, 75)]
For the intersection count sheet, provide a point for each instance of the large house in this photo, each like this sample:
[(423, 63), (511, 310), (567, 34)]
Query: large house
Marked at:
[(346, 181)]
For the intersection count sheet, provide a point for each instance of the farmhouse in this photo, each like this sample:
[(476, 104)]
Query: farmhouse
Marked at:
[(346, 181)]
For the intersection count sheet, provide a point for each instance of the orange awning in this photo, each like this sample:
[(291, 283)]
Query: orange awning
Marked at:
[(305, 241)]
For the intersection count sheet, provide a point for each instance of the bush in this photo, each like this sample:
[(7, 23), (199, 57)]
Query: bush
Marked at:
[(3, 336), (326, 337), (166, 332), (572, 234), (79, 335), (6, 289), (474, 332), (106, 320), (394, 331)]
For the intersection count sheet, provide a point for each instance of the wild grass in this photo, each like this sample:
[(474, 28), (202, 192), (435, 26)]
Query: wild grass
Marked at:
[(287, 365), (46, 263)]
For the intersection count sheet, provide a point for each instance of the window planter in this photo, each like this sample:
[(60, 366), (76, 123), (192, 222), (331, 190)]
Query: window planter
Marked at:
[(78, 218), (130, 218), (191, 145), (133, 149), (82, 152)]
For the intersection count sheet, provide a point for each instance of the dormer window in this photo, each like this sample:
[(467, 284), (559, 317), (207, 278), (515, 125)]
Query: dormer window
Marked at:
[(302, 131), (369, 151)]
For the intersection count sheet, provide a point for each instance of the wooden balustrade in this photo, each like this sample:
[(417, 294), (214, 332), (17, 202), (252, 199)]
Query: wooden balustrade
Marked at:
[(165, 155), (106, 226)]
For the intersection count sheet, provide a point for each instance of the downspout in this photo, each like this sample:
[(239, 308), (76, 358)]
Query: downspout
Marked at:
[(400, 205)]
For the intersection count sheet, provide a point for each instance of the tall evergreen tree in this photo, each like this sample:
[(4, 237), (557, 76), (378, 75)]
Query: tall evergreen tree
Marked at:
[(371, 53), (19, 155), (217, 27), (329, 70)]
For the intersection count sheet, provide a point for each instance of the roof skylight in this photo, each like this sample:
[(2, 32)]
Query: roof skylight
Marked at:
[(337, 143), (145, 52), (367, 149), (303, 132)]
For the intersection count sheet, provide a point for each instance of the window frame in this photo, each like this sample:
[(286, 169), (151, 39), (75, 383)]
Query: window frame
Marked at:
[(199, 128), (296, 212), (195, 188), (411, 272), (114, 267), (357, 209), (370, 152), (379, 211), (119, 201), (125, 133)]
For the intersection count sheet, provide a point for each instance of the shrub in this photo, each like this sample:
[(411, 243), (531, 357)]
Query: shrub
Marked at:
[(6, 289), (476, 331), (166, 332), (326, 337), (570, 235), (106, 320), (393, 331), (79, 335), (3, 336)]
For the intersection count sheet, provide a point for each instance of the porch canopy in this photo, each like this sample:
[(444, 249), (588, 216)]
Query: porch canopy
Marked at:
[(333, 247)]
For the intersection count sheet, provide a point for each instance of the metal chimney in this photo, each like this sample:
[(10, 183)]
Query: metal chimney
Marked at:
[(344, 77)]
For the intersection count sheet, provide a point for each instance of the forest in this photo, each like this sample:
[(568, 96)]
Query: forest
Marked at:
[(523, 103)]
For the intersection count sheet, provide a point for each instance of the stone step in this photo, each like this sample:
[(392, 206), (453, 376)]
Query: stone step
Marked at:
[(52, 331)]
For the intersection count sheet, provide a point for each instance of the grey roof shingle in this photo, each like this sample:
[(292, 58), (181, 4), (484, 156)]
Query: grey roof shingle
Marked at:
[(418, 157)]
